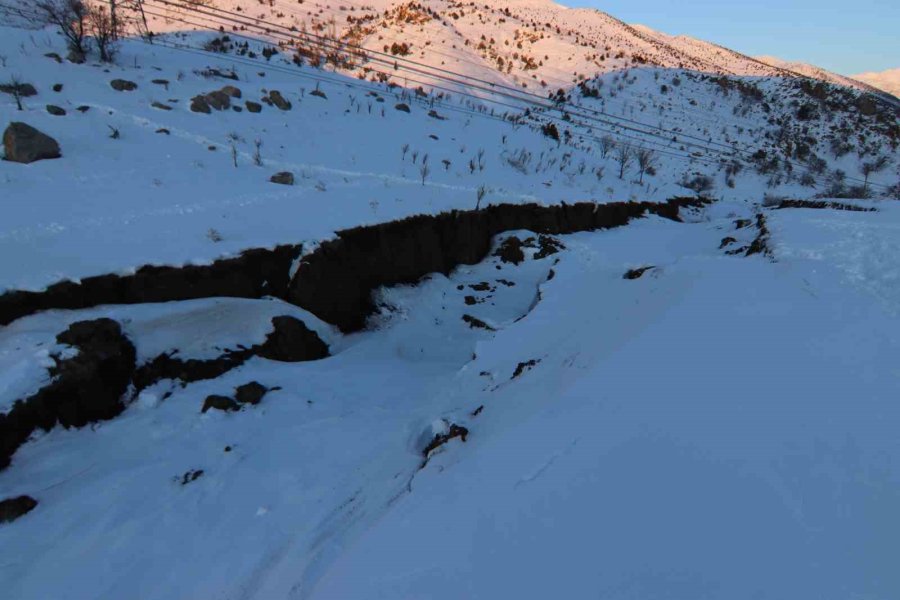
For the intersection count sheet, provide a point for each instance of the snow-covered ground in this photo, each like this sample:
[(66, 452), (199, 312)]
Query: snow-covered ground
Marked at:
[(722, 427)]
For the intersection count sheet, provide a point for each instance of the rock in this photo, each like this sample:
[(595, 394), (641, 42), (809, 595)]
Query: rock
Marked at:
[(25, 144), (318, 93), (162, 82), (278, 100), (25, 90), (218, 100), (402, 107), (250, 393), (56, 111), (74, 56), (13, 508), (85, 388), (163, 130), (219, 403), (83, 109), (440, 439), (283, 178), (231, 91), (237, 109), (58, 87), (637, 273), (510, 251), (253, 107), (54, 56), (199, 104), (161, 106), (123, 85), (292, 341)]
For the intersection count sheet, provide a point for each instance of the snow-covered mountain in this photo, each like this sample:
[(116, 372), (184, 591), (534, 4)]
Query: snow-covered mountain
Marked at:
[(888, 80), (282, 320)]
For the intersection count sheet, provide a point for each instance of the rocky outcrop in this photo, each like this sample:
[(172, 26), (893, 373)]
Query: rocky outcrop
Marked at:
[(288, 341), (336, 281), (87, 387), (56, 111), (25, 144), (252, 274), (13, 508)]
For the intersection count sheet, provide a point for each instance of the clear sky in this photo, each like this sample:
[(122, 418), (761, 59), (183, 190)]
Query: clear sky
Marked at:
[(847, 36)]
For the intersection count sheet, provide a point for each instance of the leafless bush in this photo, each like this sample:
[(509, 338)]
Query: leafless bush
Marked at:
[(646, 160), (72, 19), (624, 156)]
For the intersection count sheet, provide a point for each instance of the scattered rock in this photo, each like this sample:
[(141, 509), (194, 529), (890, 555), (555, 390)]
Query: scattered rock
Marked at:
[(74, 56), (161, 106), (56, 111), (192, 475), (218, 100), (250, 393), (25, 144), (25, 90), (123, 85), (231, 91), (525, 366), (54, 56), (237, 109), (13, 508), (510, 251), (283, 178), (83, 109), (548, 245), (478, 411), (276, 99), (484, 286), (472, 300), (217, 402), (402, 106), (477, 323), (199, 104), (318, 93), (162, 82), (163, 130), (434, 115), (253, 107), (726, 241), (742, 223), (57, 87), (637, 273), (442, 438), (292, 341)]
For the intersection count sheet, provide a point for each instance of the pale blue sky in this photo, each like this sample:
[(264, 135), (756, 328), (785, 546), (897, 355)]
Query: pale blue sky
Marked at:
[(847, 37)]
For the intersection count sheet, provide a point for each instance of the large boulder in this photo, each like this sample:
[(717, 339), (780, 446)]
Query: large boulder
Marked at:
[(25, 144), (123, 85), (25, 90), (283, 178), (199, 104), (13, 508), (253, 107), (232, 91), (292, 341), (276, 99)]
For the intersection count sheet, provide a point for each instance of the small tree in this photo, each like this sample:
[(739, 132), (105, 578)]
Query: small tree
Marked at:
[(71, 17), (646, 160), (606, 145), (624, 156), (424, 169), (15, 89), (874, 166), (257, 152), (105, 29), (480, 194)]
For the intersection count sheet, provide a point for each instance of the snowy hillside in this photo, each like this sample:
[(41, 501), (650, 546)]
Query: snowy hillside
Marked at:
[(521, 301), (889, 80)]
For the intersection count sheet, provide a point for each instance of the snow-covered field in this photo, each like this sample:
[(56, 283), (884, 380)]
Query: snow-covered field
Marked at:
[(715, 426), (722, 427)]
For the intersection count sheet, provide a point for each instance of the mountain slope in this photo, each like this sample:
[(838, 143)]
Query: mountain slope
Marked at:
[(889, 80)]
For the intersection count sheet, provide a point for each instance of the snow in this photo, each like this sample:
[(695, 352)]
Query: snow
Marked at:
[(722, 427)]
